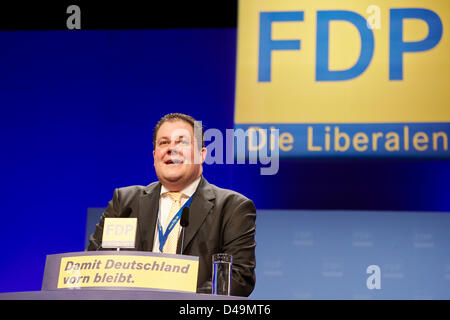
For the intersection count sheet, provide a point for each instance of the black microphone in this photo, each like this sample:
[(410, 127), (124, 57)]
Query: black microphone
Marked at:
[(184, 222)]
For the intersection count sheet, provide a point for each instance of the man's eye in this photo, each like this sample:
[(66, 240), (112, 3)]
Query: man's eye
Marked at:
[(163, 142), (183, 141)]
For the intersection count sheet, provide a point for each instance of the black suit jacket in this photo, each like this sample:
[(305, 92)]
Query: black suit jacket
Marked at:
[(220, 221)]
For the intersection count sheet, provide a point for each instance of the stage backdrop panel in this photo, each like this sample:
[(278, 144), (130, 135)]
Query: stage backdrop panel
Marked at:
[(349, 78), (302, 254)]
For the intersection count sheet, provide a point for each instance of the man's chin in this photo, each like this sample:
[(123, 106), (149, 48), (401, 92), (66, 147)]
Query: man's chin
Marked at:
[(173, 179)]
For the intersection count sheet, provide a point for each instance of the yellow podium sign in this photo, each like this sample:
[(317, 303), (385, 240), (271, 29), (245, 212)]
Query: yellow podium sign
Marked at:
[(127, 270)]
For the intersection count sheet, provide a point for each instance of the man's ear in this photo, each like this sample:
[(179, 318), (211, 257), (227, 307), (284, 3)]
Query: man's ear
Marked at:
[(204, 153)]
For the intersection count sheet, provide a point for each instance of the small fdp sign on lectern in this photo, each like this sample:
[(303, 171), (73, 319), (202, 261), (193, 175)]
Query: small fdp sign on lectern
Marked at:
[(119, 233)]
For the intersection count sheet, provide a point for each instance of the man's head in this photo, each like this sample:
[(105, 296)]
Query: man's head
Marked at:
[(178, 150)]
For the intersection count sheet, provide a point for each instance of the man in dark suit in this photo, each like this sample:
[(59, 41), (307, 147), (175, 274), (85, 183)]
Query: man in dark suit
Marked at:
[(221, 220)]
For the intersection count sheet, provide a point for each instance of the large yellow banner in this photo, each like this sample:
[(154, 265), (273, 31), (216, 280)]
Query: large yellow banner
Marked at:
[(377, 70)]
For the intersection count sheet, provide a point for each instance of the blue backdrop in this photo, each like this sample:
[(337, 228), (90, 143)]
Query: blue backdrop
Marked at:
[(78, 110)]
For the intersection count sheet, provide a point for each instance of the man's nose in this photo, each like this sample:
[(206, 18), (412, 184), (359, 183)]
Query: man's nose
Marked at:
[(173, 148)]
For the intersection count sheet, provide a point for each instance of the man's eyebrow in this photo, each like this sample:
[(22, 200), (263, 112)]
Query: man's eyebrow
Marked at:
[(181, 136)]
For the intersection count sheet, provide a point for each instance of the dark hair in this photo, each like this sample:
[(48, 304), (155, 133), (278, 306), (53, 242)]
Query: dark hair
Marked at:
[(183, 117)]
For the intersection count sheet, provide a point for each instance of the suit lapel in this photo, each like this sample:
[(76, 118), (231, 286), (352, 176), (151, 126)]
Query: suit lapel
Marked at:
[(200, 207), (148, 213)]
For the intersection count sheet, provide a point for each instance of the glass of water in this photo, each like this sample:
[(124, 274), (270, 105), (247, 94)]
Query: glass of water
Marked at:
[(221, 273)]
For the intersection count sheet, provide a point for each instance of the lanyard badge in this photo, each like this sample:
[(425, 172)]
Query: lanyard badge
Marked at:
[(163, 236)]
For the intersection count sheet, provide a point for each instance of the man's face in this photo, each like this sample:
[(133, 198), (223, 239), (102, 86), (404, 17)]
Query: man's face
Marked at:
[(177, 158)]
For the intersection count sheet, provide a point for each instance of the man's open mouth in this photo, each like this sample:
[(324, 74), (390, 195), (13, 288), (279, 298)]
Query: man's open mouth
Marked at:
[(174, 161)]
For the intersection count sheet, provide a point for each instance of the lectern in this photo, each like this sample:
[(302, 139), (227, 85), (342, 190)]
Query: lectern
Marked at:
[(106, 275)]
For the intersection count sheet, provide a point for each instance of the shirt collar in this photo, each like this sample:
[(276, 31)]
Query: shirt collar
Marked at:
[(188, 191)]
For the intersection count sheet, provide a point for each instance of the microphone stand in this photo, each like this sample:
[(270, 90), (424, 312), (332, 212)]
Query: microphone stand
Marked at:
[(184, 222), (182, 239)]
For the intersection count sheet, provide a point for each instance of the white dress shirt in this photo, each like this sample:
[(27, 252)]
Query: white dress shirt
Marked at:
[(165, 204)]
